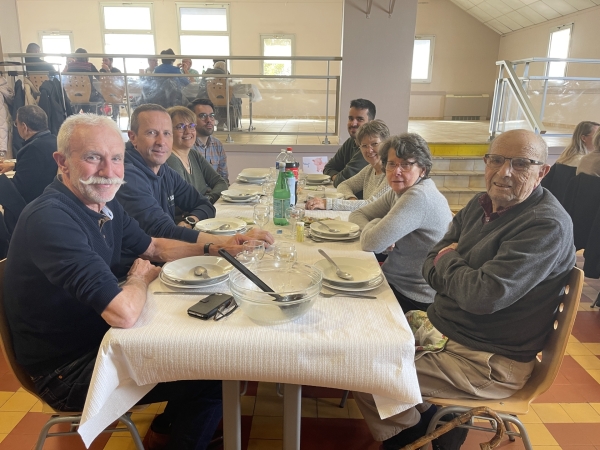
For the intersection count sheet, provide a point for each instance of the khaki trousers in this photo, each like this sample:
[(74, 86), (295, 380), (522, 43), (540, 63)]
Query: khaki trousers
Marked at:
[(455, 372)]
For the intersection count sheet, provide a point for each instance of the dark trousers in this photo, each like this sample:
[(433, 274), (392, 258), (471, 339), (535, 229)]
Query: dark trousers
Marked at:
[(407, 304), (192, 414)]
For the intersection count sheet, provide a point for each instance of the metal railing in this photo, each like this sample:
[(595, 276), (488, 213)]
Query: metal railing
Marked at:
[(274, 87), (537, 99)]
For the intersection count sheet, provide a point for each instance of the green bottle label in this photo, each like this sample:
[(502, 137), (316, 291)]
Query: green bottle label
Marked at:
[(279, 207)]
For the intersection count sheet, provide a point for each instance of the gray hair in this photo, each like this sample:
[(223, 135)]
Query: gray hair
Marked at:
[(63, 140), (33, 116), (408, 146), (375, 127)]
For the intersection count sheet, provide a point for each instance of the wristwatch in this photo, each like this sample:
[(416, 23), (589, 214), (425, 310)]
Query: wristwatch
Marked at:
[(191, 220)]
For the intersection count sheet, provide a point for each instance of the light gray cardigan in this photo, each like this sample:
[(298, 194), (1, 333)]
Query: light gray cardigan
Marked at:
[(414, 222)]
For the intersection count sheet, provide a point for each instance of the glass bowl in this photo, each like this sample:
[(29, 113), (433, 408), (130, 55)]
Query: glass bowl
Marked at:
[(302, 283)]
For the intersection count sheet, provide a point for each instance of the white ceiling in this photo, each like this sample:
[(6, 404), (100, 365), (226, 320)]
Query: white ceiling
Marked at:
[(504, 16)]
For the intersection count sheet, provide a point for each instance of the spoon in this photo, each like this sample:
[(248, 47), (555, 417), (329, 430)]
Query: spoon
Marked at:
[(201, 271), (257, 281), (332, 230), (225, 226), (339, 272)]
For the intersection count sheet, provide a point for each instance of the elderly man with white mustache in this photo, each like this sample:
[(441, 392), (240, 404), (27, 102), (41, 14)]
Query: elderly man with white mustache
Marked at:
[(61, 292)]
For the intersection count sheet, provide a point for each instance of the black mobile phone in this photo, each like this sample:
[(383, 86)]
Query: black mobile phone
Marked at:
[(207, 307)]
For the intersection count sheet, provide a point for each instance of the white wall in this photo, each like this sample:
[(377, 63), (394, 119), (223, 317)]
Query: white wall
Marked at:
[(10, 39)]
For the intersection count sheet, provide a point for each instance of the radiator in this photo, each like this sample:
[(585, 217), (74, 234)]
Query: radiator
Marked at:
[(466, 107)]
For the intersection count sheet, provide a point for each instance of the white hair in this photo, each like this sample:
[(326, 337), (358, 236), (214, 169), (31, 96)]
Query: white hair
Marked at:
[(70, 125)]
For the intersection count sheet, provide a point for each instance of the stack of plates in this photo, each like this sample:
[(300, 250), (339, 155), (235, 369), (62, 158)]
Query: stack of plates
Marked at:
[(253, 176), (367, 274), (316, 179), (219, 226), (180, 274), (233, 196), (346, 231)]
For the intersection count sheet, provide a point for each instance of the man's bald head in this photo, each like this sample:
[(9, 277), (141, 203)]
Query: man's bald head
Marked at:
[(528, 141)]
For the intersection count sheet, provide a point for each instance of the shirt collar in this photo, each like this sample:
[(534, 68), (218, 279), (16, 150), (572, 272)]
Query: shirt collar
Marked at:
[(488, 214)]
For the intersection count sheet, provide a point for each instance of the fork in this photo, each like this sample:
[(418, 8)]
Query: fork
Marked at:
[(345, 294)]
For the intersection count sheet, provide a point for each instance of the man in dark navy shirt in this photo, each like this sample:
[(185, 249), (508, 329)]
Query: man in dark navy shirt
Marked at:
[(61, 294)]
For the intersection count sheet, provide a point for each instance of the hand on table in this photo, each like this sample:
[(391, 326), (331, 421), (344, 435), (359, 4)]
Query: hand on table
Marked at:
[(316, 203), (234, 244), (6, 166), (143, 270)]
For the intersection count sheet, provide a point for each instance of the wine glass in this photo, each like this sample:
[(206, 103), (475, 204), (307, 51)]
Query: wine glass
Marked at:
[(255, 248), (261, 214)]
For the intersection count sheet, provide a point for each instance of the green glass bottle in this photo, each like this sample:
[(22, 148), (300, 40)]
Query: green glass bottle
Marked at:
[(281, 198)]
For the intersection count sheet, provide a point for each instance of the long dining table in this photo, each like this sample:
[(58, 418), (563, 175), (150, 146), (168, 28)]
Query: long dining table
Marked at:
[(346, 343)]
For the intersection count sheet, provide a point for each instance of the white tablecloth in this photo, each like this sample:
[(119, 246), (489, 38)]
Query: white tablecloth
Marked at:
[(345, 343)]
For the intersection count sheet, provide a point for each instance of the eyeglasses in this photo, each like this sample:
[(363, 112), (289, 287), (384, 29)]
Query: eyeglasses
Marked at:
[(183, 126), (373, 146), (226, 309), (517, 164), (406, 166), (204, 116)]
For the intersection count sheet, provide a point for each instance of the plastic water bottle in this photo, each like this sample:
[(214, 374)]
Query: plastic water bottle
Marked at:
[(281, 198), (291, 163), (280, 159), (291, 181)]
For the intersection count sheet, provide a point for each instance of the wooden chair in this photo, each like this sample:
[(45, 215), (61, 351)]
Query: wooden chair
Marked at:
[(542, 377), (78, 88), (112, 89), (38, 78), (72, 418), (216, 88)]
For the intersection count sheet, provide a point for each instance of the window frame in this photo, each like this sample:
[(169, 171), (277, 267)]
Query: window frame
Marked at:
[(554, 30), (431, 39), (291, 37), (104, 31), (43, 33)]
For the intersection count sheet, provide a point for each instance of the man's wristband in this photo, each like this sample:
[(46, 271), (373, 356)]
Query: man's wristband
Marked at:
[(206, 247)]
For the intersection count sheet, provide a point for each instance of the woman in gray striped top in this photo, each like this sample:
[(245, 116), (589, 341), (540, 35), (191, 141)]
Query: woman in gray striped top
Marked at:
[(370, 180)]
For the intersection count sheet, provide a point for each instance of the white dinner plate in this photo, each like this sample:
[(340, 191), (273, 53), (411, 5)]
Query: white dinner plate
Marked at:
[(239, 195), (362, 271), (317, 178), (182, 270), (242, 179), (345, 228), (254, 173), (252, 199), (175, 285), (211, 225), (346, 237), (337, 195), (317, 183), (367, 287)]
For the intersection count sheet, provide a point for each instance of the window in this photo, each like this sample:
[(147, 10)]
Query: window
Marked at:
[(560, 39), (56, 42), (203, 30), (422, 59), (277, 45), (128, 29)]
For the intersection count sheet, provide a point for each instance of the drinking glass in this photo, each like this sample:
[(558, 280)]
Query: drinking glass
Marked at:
[(272, 174), (255, 248), (261, 215), (267, 188), (285, 251), (301, 190), (294, 214)]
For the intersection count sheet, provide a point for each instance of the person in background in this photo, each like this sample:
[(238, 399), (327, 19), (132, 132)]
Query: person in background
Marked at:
[(590, 163), (80, 64), (107, 66), (35, 63), (208, 145), (371, 180), (152, 64), (186, 68), (190, 164), (348, 160), (168, 67), (35, 167), (499, 274), (580, 145), (409, 219)]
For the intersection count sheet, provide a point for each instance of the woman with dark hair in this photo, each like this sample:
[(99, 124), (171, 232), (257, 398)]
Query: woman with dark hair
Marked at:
[(407, 221)]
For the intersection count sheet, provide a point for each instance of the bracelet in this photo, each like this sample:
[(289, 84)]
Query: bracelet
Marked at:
[(206, 248)]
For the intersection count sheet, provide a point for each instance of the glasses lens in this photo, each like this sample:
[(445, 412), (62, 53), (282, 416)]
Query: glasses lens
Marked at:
[(520, 164), (390, 166), (204, 116), (495, 160)]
